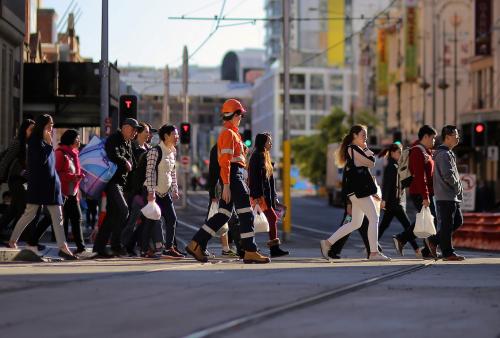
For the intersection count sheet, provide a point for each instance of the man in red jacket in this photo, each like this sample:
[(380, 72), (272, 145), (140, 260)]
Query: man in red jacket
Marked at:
[(421, 189)]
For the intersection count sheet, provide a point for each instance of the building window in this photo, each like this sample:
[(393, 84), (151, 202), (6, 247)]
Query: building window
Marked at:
[(315, 119), (297, 81), (336, 82), (297, 121), (317, 81), (296, 101), (336, 101), (318, 102)]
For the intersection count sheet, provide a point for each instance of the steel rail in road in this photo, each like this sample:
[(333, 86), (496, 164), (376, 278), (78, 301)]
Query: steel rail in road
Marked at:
[(265, 314)]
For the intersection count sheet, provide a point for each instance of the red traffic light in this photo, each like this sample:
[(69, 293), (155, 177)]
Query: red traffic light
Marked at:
[(185, 133), (479, 128)]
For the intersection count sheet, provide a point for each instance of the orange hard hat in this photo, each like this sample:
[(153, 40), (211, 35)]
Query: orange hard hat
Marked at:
[(231, 106)]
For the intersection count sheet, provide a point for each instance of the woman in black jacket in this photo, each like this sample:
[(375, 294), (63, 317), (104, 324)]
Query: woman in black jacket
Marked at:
[(13, 165), (262, 189), (393, 196), (44, 186)]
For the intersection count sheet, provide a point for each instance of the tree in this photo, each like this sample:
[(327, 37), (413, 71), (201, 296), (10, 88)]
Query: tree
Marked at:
[(309, 152)]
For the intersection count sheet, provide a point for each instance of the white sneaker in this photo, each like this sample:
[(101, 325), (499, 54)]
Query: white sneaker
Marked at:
[(325, 247), (379, 257)]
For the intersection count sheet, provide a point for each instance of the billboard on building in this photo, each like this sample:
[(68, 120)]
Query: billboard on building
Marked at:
[(336, 33), (382, 62), (411, 31)]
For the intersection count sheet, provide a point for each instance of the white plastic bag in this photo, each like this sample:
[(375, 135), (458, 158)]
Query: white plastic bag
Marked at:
[(260, 222), (214, 209), (424, 224), (152, 211)]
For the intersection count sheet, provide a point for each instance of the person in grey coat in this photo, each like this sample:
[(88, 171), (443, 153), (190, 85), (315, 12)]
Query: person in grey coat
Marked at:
[(448, 191)]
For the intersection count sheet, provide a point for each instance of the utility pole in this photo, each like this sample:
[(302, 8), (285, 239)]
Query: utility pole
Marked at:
[(456, 23), (104, 69), (434, 57), (287, 222), (442, 84), (166, 96), (185, 148)]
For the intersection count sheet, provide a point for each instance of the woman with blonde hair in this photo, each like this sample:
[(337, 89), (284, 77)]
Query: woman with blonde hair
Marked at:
[(360, 187)]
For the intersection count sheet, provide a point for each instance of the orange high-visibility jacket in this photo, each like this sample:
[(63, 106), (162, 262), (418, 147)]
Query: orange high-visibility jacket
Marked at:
[(230, 150)]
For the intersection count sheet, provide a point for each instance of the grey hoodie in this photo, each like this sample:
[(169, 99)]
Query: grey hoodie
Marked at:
[(446, 179)]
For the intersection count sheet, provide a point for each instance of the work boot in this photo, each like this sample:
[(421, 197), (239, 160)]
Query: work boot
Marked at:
[(255, 257), (195, 250), (275, 250)]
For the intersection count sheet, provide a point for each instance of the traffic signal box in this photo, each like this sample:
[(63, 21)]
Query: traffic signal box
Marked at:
[(185, 135), (479, 134), (247, 137), (128, 107)]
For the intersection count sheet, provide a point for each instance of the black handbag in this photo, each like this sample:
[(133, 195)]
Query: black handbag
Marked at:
[(359, 180)]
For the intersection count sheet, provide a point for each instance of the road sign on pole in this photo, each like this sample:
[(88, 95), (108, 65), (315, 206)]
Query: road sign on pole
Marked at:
[(469, 198)]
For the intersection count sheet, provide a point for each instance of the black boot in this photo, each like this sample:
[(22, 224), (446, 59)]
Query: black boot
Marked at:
[(277, 252), (274, 248)]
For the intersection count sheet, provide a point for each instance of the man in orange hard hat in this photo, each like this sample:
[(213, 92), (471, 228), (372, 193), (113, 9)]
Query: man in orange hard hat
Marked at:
[(235, 193)]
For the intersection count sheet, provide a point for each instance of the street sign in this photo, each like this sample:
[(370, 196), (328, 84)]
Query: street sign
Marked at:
[(469, 185), (492, 153)]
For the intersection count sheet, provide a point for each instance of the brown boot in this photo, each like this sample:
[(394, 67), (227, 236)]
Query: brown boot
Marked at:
[(195, 250), (255, 257)]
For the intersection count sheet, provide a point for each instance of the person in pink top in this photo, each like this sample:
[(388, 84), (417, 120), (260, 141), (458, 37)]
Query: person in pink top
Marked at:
[(70, 174)]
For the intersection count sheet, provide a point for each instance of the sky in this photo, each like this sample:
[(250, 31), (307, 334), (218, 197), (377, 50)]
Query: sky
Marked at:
[(140, 33)]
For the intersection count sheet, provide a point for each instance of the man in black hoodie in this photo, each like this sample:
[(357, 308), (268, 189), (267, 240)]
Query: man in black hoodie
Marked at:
[(119, 150)]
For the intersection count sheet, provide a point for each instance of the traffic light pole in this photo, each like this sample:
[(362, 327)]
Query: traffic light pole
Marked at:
[(184, 148), (287, 222), (104, 70)]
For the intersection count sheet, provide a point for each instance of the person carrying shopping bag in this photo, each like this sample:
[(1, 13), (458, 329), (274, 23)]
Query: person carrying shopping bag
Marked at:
[(262, 189), (360, 187)]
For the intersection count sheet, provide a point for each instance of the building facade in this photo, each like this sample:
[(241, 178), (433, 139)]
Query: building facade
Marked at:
[(314, 92), (12, 37)]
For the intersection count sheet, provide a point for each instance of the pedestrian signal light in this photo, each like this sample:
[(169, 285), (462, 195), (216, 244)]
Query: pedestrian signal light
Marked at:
[(185, 133), (247, 137), (479, 134), (128, 107)]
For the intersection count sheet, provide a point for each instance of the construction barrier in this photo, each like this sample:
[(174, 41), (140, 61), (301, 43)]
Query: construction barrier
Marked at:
[(480, 231)]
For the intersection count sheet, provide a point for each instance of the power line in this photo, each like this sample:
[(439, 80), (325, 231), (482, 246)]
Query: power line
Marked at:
[(217, 23), (337, 18)]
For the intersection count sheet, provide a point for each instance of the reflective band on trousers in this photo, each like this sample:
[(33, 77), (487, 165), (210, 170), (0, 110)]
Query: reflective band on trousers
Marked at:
[(208, 229), (243, 210), (240, 158), (225, 212), (227, 151), (247, 234)]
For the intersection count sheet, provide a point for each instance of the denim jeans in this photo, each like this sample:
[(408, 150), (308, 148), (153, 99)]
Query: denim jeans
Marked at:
[(450, 218)]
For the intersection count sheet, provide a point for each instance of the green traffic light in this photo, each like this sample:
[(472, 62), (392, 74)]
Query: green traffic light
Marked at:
[(248, 143)]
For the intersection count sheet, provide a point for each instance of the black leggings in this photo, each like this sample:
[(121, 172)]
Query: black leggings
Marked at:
[(400, 213)]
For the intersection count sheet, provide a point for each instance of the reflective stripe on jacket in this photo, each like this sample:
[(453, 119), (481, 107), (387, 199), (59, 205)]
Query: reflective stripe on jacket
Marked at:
[(230, 149)]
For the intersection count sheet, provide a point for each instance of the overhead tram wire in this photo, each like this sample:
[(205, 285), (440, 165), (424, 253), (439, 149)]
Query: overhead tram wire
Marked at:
[(217, 24)]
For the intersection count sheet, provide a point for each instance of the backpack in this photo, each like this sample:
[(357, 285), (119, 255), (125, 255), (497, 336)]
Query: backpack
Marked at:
[(138, 175), (405, 176)]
